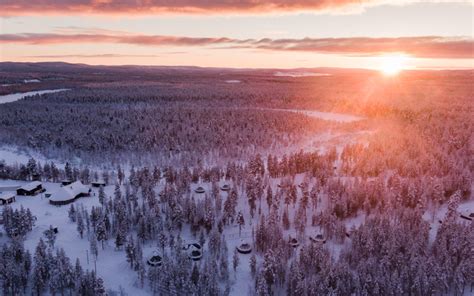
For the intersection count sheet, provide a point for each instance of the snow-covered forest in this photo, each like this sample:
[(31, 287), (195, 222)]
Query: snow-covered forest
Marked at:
[(207, 188)]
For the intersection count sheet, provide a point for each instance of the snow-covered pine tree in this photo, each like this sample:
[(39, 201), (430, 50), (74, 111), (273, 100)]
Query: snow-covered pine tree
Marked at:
[(41, 268)]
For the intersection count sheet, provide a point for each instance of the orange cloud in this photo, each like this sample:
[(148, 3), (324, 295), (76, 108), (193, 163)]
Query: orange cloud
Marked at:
[(157, 40), (28, 7), (422, 47)]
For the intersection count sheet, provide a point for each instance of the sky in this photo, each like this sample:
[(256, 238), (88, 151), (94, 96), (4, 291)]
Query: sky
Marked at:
[(423, 34)]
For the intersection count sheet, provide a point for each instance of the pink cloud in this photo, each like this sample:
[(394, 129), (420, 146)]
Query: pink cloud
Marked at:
[(423, 46), (22, 7), (149, 40)]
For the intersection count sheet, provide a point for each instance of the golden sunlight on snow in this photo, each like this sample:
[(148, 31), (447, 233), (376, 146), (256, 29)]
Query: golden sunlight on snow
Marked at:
[(393, 64)]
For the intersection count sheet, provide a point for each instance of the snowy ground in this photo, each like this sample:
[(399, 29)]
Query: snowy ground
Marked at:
[(433, 217), (14, 155), (112, 265), (109, 261), (15, 97)]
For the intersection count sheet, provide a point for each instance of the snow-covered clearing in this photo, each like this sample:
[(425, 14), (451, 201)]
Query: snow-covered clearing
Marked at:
[(18, 96), (14, 155), (323, 141), (111, 264), (434, 216)]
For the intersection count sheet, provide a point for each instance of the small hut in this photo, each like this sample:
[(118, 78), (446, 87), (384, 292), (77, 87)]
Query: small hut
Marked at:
[(7, 198), (66, 182), (98, 184), (294, 242), (199, 190), (225, 187), (30, 189), (53, 229), (244, 247), (187, 246), (155, 259), (194, 251), (318, 238)]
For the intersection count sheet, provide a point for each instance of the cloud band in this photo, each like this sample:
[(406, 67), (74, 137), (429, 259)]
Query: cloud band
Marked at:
[(422, 46)]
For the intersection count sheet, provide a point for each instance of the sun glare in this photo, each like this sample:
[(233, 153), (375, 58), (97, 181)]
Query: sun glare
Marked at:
[(392, 65)]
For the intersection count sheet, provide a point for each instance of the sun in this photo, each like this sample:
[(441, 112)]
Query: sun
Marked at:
[(393, 64)]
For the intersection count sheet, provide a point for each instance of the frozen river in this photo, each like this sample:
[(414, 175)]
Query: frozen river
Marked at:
[(15, 97)]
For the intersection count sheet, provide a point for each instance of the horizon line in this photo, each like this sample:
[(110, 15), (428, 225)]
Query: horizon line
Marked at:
[(238, 68)]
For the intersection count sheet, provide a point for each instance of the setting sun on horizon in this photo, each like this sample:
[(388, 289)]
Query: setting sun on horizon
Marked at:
[(394, 64)]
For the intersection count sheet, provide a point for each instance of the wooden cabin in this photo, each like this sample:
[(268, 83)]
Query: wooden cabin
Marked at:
[(98, 184), (66, 182), (69, 193), (30, 189), (7, 198)]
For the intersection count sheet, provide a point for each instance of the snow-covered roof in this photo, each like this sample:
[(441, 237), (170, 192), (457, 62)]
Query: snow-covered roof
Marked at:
[(31, 185), (69, 192), (191, 245), (7, 195), (200, 190)]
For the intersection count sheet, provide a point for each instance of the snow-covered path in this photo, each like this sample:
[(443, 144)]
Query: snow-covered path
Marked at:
[(15, 97), (340, 117)]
